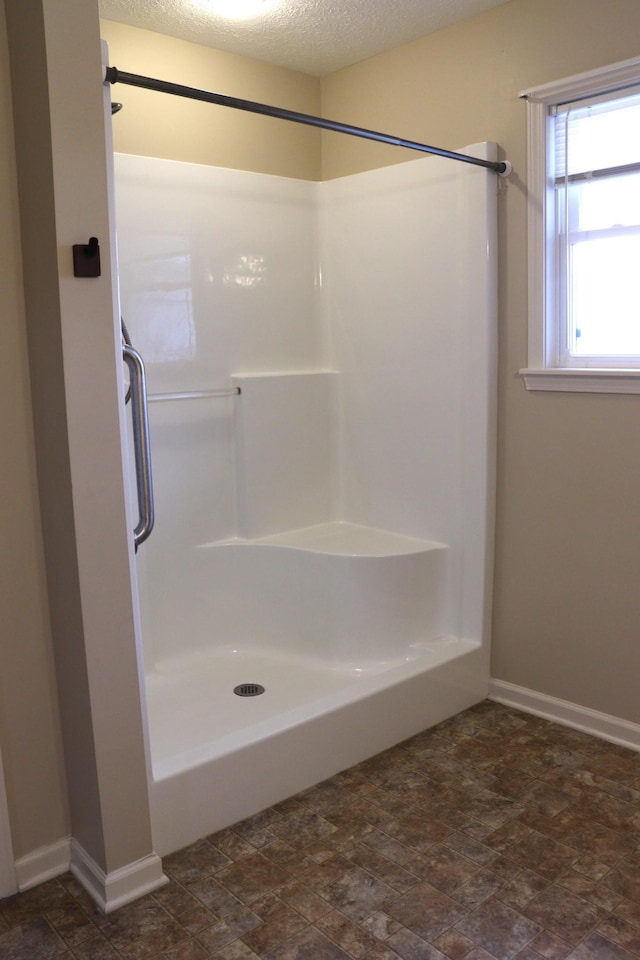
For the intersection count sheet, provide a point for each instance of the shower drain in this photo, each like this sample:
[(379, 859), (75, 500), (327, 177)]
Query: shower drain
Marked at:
[(248, 689)]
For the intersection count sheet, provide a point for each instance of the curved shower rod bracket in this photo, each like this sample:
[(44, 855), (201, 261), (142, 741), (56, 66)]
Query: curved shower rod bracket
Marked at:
[(113, 75)]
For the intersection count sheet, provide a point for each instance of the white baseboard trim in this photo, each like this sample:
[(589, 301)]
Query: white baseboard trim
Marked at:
[(598, 724), (115, 889), (43, 864)]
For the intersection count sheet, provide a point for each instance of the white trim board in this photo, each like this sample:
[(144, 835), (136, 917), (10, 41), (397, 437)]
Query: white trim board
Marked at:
[(42, 864), (109, 891), (597, 724), (115, 889)]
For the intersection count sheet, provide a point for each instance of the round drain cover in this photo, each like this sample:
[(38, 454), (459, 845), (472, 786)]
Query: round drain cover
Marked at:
[(248, 689)]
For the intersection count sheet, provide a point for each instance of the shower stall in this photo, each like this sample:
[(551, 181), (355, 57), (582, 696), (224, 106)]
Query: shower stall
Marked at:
[(320, 375)]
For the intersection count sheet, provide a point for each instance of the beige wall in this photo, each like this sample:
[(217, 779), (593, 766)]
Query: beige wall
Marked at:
[(158, 125), (29, 725), (567, 602)]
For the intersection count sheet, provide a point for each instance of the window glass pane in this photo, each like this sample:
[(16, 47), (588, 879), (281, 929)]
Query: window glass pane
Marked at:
[(598, 136), (604, 315), (610, 202)]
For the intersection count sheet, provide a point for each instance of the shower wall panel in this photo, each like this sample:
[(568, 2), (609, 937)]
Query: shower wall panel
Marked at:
[(386, 277), (410, 303), (218, 276)]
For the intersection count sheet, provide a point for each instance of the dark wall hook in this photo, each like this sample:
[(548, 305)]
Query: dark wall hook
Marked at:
[(86, 258)]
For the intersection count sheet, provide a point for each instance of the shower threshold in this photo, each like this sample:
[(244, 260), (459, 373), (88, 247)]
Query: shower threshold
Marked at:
[(217, 758)]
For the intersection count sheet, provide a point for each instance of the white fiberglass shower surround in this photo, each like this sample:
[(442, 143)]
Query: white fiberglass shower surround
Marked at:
[(320, 370)]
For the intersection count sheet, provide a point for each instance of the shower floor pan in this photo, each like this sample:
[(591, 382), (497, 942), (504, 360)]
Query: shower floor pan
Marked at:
[(337, 689)]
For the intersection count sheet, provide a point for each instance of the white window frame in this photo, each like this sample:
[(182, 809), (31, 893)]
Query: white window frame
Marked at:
[(543, 372)]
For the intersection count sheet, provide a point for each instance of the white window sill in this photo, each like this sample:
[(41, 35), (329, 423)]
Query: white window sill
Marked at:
[(582, 380)]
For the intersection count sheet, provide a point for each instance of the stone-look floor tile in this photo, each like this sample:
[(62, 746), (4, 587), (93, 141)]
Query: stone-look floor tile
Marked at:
[(278, 924), (619, 790), (229, 843), (382, 951), (624, 878), (311, 943), (357, 893), (189, 950), (234, 951), (97, 948), (302, 828), (409, 946), (633, 823), (381, 925), (445, 869), (623, 768), (140, 929), (531, 849), (214, 897), (225, 931), (70, 923), (550, 947), (252, 877), (425, 911), (522, 888), (308, 904), (472, 849), (545, 798), (350, 936), (32, 904), (390, 848), (510, 782), (596, 947), (622, 932), (255, 830), (348, 835), (490, 808), (196, 862), (375, 863), (476, 829), (591, 867), (594, 839), (497, 928), (417, 831), (327, 870), (284, 855), (33, 940), (480, 887), (628, 910), (611, 811), (589, 889), (325, 797), (453, 944), (562, 913), (478, 953), (530, 831)]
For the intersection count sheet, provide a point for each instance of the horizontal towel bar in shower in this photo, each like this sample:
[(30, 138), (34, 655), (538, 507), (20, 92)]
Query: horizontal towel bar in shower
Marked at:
[(195, 394), (113, 75)]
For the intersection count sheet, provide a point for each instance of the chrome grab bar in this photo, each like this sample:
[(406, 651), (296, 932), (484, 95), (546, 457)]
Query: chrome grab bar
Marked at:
[(141, 445), (195, 394)]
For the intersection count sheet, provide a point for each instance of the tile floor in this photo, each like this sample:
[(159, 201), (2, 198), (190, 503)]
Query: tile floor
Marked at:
[(495, 835)]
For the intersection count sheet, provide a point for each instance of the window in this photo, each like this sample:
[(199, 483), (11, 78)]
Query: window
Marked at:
[(584, 232)]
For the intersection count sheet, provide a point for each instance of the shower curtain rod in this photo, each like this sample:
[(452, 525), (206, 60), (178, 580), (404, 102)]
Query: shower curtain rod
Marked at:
[(113, 75)]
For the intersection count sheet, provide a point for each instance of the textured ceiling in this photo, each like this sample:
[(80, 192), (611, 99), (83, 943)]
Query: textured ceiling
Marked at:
[(313, 36)]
